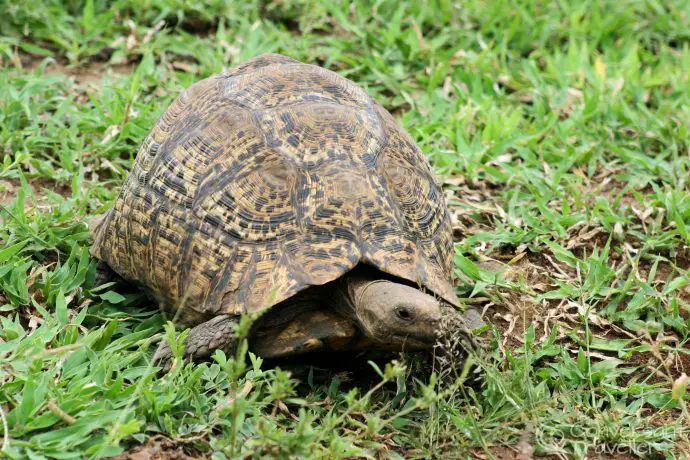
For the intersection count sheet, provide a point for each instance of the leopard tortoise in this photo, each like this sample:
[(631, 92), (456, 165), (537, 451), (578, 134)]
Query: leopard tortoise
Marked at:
[(283, 188)]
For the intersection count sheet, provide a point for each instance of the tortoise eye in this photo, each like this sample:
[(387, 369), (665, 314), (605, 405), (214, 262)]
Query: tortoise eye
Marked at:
[(404, 313)]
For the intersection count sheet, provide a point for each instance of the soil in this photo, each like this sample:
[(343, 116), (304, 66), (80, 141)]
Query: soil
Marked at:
[(89, 73), (158, 448), (9, 188)]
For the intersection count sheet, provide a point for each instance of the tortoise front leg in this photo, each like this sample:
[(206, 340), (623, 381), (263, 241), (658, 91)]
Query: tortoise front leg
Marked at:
[(218, 333), (105, 274)]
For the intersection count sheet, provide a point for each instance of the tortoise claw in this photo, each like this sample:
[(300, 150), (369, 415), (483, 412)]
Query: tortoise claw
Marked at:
[(163, 357)]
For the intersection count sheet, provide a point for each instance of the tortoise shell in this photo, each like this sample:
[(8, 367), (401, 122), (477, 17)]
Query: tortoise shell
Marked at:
[(268, 179)]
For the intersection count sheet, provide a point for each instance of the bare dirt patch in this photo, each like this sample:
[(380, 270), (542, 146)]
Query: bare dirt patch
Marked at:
[(90, 73), (502, 453), (513, 311), (8, 191), (611, 455), (10, 187), (472, 208), (666, 273), (158, 448)]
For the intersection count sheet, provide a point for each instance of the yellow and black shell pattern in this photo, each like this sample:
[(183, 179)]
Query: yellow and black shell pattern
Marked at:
[(268, 179)]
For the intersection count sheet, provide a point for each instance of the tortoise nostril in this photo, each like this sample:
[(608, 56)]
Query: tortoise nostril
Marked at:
[(404, 313)]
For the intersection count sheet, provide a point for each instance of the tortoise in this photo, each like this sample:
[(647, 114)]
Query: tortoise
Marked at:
[(283, 188)]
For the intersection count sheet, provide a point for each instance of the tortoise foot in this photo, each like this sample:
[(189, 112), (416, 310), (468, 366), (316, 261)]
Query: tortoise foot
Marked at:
[(105, 274), (217, 333)]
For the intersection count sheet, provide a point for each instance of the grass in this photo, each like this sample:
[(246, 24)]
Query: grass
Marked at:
[(561, 132)]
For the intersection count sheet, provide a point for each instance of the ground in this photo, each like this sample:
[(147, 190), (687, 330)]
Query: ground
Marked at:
[(560, 131)]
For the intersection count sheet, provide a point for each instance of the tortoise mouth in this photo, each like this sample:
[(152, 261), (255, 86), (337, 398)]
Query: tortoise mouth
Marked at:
[(415, 340)]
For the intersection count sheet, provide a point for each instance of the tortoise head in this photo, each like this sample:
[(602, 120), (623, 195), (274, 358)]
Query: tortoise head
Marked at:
[(394, 315)]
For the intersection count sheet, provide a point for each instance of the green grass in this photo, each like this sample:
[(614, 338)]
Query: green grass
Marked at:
[(562, 133)]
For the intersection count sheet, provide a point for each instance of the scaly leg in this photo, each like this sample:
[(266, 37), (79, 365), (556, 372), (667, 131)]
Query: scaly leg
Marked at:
[(218, 333)]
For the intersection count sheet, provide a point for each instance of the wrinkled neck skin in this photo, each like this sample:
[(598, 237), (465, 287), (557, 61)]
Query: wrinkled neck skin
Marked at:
[(390, 315)]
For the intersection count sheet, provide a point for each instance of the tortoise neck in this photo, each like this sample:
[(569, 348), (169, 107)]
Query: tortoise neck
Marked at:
[(351, 287), (356, 284)]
